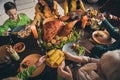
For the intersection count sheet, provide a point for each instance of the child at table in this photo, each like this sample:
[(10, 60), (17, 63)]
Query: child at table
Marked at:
[(14, 19)]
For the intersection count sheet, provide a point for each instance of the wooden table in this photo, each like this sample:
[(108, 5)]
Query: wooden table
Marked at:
[(31, 47)]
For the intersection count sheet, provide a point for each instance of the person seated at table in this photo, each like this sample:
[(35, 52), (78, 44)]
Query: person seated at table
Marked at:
[(98, 50), (45, 9), (73, 5), (105, 68), (28, 71), (14, 19)]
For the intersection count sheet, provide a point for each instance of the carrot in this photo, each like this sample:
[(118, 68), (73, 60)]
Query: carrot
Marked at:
[(84, 21)]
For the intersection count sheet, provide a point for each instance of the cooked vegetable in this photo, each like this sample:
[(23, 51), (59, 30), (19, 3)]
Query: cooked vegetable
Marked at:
[(50, 52), (59, 60), (61, 41), (81, 50), (26, 64), (54, 58)]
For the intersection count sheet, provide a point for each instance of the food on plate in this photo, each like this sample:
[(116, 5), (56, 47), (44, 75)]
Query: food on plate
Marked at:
[(51, 29), (92, 12), (79, 49), (54, 58), (24, 33), (60, 41), (50, 53), (101, 37), (19, 47), (75, 46), (26, 64), (49, 44), (57, 27), (31, 60), (64, 38), (53, 41)]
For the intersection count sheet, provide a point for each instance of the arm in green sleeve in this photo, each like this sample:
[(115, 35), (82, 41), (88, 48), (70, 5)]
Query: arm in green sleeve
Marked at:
[(26, 73), (110, 29), (4, 28)]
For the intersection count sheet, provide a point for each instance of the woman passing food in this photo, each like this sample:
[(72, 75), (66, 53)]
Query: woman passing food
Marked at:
[(45, 9)]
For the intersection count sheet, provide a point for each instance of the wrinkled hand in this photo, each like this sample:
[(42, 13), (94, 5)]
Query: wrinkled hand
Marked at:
[(68, 55), (40, 61), (67, 74)]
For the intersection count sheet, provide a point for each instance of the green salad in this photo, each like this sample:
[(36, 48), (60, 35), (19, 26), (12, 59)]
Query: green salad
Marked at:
[(80, 50)]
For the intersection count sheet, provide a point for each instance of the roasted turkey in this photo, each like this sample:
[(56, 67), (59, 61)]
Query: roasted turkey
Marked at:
[(67, 28), (51, 29)]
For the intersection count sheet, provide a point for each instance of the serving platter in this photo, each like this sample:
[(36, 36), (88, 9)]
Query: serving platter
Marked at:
[(21, 32), (101, 37), (33, 58), (68, 48)]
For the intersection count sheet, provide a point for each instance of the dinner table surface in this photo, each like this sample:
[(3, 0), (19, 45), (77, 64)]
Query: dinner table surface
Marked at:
[(33, 48), (10, 70)]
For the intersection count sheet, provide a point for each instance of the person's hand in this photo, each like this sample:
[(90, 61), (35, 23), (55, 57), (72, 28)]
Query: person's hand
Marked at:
[(10, 49), (71, 57), (40, 61), (62, 65), (101, 17), (67, 74), (6, 33), (114, 17), (68, 55), (28, 26)]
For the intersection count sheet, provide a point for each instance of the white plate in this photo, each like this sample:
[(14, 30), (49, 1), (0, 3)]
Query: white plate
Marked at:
[(68, 48)]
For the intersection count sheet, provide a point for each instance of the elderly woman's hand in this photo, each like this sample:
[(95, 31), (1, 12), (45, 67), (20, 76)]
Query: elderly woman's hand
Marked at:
[(68, 56), (67, 74)]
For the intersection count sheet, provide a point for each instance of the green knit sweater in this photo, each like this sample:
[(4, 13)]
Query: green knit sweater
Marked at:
[(98, 50)]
